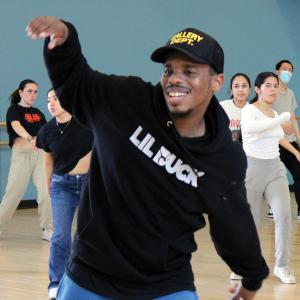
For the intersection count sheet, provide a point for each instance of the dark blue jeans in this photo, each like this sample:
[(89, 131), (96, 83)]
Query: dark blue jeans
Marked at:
[(65, 192)]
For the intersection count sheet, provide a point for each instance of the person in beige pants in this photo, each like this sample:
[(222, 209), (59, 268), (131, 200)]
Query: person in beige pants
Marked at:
[(23, 123)]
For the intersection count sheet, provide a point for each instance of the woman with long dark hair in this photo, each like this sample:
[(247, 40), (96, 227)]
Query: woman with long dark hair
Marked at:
[(266, 175), (23, 123)]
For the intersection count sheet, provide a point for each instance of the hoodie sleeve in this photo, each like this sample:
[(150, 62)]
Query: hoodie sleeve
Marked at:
[(235, 237), (82, 91)]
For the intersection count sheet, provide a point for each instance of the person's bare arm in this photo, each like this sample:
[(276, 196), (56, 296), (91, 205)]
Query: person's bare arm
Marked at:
[(288, 146), (22, 132), (45, 26), (295, 127), (287, 128)]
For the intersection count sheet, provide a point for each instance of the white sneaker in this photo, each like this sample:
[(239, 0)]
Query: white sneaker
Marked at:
[(285, 274), (47, 234), (270, 213), (234, 276), (52, 293)]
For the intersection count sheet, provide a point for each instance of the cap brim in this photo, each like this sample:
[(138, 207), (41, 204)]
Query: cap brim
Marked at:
[(160, 54)]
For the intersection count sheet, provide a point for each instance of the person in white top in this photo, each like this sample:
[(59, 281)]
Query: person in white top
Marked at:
[(266, 175), (240, 87)]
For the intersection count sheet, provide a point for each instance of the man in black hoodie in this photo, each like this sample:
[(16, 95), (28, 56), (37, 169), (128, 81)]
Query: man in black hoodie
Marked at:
[(163, 156)]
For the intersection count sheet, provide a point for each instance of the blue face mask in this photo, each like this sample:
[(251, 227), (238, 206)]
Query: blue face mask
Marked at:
[(285, 76)]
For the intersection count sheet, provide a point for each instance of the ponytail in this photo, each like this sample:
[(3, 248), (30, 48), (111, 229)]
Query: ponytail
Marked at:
[(254, 99), (15, 97)]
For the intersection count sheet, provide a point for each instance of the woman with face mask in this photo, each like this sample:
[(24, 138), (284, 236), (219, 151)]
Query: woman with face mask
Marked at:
[(67, 148), (266, 174), (240, 87), (286, 101), (23, 123)]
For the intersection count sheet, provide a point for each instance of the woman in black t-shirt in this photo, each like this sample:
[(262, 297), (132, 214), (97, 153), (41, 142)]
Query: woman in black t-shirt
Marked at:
[(67, 146), (23, 123)]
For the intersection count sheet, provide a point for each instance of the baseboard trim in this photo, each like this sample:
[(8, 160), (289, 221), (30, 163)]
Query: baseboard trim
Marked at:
[(31, 203)]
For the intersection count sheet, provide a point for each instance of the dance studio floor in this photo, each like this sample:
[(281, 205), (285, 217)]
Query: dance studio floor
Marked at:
[(24, 256)]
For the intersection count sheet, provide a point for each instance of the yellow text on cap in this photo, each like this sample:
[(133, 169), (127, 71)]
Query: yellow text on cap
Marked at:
[(185, 37)]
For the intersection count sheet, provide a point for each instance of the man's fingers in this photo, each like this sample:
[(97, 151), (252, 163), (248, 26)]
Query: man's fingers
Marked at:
[(53, 43), (41, 31), (40, 27)]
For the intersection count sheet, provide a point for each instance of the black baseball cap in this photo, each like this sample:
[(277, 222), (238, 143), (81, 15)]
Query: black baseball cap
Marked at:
[(197, 45)]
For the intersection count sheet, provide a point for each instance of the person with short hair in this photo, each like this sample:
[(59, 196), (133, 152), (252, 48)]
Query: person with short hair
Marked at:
[(159, 163), (286, 101)]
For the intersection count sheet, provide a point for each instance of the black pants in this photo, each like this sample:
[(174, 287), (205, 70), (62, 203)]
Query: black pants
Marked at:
[(293, 165)]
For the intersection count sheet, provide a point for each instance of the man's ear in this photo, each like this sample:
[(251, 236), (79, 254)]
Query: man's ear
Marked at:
[(218, 81)]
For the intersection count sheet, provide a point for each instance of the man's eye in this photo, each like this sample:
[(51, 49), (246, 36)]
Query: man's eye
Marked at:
[(188, 72), (168, 72)]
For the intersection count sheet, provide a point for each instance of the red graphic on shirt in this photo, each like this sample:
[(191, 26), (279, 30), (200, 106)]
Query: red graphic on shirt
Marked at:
[(36, 117), (235, 124), (31, 118)]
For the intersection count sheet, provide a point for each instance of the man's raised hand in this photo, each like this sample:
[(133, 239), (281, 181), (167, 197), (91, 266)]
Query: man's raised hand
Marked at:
[(42, 27)]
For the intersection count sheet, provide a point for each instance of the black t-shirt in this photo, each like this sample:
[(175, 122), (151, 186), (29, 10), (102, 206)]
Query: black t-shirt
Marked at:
[(31, 118), (67, 147)]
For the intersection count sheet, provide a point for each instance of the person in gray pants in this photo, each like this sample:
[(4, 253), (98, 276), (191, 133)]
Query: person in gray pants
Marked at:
[(266, 175)]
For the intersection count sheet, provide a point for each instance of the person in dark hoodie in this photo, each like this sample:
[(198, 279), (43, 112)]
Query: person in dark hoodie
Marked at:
[(159, 163)]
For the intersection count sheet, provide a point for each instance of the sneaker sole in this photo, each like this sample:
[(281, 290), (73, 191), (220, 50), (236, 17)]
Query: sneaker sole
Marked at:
[(285, 282)]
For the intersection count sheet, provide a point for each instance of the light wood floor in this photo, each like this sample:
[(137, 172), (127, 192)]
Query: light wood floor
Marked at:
[(23, 262)]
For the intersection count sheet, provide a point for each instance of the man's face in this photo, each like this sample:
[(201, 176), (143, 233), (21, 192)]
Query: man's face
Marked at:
[(188, 86)]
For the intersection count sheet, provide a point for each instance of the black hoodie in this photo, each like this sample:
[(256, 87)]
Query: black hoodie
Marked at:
[(148, 188)]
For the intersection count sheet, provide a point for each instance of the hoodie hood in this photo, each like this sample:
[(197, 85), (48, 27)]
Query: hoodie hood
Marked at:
[(218, 152)]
